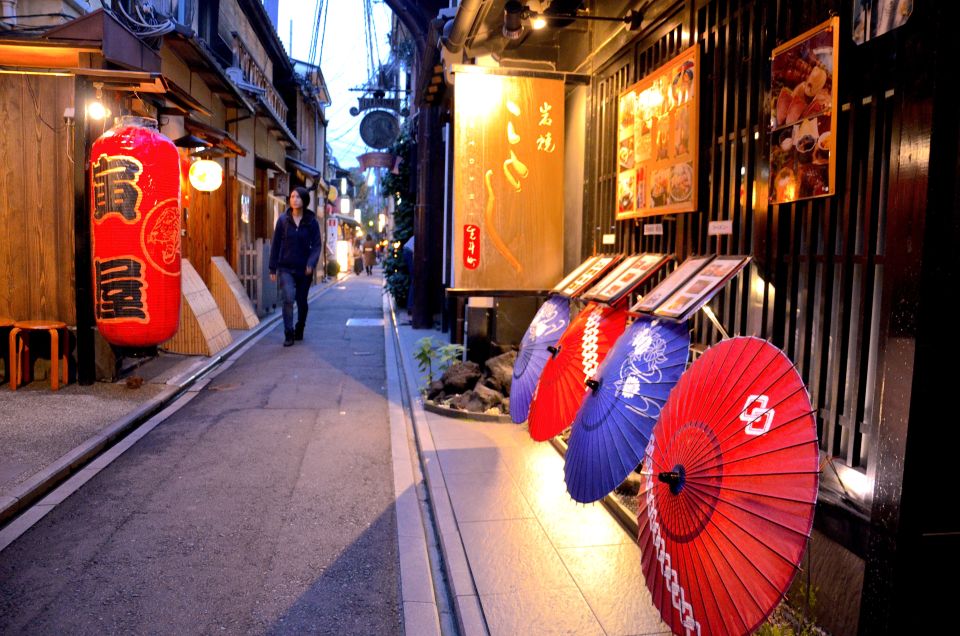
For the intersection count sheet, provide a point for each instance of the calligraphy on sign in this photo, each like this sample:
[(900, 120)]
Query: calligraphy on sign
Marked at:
[(657, 140), (803, 107), (508, 179), (471, 246)]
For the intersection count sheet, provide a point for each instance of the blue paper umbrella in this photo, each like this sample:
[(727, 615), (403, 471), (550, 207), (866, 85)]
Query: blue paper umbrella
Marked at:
[(614, 423), (548, 325)]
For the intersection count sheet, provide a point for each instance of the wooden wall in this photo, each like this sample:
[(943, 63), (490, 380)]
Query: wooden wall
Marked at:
[(37, 278), (206, 229)]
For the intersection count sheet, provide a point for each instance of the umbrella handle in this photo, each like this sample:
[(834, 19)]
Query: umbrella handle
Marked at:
[(674, 478)]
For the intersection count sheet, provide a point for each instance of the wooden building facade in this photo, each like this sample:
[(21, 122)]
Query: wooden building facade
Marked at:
[(215, 76)]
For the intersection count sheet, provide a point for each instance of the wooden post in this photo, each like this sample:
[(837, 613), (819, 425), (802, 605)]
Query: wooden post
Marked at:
[(86, 362)]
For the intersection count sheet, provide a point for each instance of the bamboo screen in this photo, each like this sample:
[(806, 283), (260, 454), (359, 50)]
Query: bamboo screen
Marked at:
[(814, 286), (508, 181)]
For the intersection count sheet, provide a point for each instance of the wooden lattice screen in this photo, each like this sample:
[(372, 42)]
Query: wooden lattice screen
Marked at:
[(814, 285)]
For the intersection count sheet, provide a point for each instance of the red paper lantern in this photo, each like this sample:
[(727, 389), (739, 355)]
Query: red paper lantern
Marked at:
[(135, 210)]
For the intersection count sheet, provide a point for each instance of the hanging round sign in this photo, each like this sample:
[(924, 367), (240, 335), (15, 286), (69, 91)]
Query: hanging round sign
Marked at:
[(379, 129)]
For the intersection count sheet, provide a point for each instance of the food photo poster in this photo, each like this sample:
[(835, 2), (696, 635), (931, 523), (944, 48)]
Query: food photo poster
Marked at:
[(657, 140), (803, 107)]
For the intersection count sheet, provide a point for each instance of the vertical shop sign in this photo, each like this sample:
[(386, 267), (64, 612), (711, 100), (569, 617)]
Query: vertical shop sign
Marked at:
[(657, 140), (471, 246), (508, 180), (803, 107)]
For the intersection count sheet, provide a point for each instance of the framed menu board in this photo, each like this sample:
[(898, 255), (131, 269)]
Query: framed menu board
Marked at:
[(588, 276), (657, 140), (625, 277), (670, 284), (575, 274), (803, 109), (701, 287)]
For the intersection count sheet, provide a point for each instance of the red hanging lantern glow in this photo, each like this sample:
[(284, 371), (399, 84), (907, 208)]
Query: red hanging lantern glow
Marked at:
[(135, 210)]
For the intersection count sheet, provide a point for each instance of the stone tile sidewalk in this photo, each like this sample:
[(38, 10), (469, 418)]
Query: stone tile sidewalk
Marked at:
[(521, 556)]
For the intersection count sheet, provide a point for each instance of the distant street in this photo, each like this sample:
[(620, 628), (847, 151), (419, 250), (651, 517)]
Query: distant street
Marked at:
[(265, 505)]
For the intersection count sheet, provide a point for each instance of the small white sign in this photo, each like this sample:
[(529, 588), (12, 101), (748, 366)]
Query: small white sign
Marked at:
[(609, 239), (482, 302), (720, 228), (653, 229)]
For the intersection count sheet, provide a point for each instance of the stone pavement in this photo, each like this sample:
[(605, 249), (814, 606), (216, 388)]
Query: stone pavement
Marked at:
[(489, 541)]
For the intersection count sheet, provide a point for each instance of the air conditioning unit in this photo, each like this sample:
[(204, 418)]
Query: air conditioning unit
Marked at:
[(235, 73)]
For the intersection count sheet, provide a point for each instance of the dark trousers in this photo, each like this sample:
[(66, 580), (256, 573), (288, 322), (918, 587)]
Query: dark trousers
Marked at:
[(293, 288)]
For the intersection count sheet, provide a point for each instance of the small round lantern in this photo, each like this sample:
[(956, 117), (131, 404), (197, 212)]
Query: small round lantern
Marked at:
[(206, 175), (135, 214)]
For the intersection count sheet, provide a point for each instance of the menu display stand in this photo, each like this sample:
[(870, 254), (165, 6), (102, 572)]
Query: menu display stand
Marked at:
[(628, 275), (584, 276), (691, 287)]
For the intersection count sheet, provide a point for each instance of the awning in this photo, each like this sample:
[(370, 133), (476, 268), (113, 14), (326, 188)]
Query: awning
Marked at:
[(268, 164), (214, 136), (144, 82), (310, 171), (276, 123), (349, 220)]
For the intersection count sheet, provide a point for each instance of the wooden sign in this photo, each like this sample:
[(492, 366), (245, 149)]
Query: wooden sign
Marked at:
[(657, 139), (508, 179), (803, 107)]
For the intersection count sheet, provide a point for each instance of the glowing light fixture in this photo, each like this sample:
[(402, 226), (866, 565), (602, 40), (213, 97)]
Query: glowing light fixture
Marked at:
[(514, 13), (96, 110), (206, 175)]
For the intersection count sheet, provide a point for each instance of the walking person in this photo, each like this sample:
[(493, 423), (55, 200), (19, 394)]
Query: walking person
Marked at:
[(369, 254), (293, 257)]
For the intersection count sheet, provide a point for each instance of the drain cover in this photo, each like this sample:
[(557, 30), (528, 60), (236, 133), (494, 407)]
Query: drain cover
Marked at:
[(365, 322)]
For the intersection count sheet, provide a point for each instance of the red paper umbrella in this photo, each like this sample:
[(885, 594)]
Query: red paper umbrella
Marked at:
[(731, 477), (579, 352)]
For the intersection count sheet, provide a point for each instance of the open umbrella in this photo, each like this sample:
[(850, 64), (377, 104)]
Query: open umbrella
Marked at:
[(544, 331), (730, 485), (613, 425), (575, 359)]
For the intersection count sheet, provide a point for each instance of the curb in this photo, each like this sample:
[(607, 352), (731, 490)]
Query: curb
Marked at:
[(47, 479), (433, 407), (469, 615)]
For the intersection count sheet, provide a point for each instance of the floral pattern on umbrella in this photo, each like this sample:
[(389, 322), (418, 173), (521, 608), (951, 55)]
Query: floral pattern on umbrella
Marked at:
[(544, 331), (614, 422)]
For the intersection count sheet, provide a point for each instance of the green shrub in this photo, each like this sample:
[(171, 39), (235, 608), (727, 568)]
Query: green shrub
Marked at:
[(433, 357)]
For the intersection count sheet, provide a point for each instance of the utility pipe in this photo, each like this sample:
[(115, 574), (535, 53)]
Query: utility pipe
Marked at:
[(466, 14)]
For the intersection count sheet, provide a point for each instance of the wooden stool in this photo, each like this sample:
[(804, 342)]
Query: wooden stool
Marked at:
[(5, 325), (20, 350)]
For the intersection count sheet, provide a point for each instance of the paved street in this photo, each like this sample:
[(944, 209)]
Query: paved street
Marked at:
[(264, 505)]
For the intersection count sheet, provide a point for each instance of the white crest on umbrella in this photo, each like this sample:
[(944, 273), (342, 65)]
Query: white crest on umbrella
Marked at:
[(678, 596), (589, 347), (647, 353), (546, 322)]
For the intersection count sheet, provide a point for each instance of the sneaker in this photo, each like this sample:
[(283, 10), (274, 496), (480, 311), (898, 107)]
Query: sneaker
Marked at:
[(298, 332), (288, 339)]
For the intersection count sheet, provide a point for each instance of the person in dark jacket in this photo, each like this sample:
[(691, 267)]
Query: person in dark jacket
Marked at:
[(293, 257), (369, 254)]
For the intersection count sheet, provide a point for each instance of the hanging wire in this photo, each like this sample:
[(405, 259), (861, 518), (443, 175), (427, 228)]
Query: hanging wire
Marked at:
[(323, 33), (314, 37)]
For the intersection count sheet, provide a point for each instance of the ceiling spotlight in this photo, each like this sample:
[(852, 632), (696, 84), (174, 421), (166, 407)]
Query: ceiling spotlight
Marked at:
[(513, 14)]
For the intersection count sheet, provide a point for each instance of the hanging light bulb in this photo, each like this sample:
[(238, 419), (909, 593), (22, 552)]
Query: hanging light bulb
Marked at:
[(96, 110), (206, 175)]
